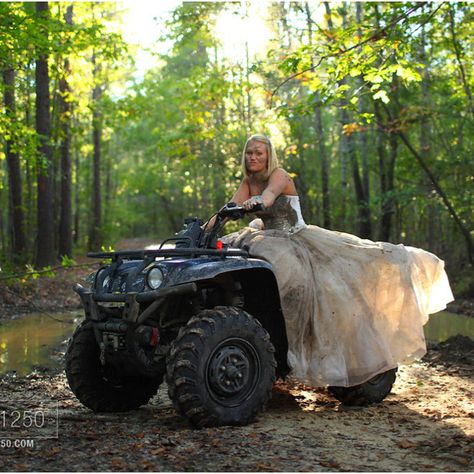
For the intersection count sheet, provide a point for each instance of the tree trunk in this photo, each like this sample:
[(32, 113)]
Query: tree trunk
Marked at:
[(324, 168), (30, 224), (349, 150), (458, 53), (363, 210), (45, 244), (318, 125), (14, 173), (95, 238), (3, 243), (425, 137), (386, 174), (386, 164), (362, 108), (76, 196), (65, 218)]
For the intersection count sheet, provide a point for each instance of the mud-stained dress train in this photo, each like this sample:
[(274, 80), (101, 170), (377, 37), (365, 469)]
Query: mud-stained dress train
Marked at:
[(353, 308)]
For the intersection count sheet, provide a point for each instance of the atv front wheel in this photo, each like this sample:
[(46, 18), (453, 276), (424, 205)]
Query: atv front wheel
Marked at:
[(98, 387), (372, 391), (221, 368)]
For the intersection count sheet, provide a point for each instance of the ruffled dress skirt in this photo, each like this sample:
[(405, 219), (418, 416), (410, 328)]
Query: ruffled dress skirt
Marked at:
[(353, 308)]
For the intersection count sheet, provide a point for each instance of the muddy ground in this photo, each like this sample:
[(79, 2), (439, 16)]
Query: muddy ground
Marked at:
[(426, 424)]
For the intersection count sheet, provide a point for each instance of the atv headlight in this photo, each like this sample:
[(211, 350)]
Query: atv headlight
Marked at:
[(154, 278), (106, 281)]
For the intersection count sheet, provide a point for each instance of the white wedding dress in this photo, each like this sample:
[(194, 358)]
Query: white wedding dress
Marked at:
[(353, 308)]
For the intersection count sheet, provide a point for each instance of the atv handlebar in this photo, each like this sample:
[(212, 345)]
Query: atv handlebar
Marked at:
[(234, 212), (228, 212)]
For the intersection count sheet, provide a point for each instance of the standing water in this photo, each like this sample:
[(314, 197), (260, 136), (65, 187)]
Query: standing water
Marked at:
[(444, 325), (34, 340), (31, 341)]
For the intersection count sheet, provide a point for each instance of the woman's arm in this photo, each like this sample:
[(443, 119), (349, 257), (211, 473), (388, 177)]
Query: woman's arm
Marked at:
[(279, 182)]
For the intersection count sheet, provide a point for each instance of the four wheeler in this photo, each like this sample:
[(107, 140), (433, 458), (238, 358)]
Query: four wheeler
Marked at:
[(205, 316)]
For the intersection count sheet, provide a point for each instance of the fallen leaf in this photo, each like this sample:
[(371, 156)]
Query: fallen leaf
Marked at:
[(330, 463), (158, 451), (406, 444), (116, 462), (264, 467)]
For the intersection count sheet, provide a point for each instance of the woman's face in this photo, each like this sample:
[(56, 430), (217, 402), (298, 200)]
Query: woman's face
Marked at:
[(256, 157)]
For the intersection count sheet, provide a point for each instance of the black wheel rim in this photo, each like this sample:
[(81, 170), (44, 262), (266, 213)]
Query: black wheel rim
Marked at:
[(232, 372)]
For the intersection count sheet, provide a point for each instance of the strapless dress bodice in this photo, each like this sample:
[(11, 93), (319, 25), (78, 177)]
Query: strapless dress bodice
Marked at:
[(285, 214)]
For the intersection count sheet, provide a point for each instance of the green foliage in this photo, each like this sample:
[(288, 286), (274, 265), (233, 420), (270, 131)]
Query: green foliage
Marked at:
[(171, 140), (463, 283), (67, 262)]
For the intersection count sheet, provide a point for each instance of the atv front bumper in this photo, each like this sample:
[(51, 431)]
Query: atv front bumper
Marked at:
[(131, 309)]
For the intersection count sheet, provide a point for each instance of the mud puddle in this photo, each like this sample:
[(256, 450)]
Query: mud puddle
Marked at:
[(34, 341)]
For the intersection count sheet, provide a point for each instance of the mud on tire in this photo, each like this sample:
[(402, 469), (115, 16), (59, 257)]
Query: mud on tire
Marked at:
[(98, 388), (372, 391), (221, 368)]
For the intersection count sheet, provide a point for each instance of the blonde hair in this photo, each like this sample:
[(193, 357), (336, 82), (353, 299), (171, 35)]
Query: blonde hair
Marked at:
[(272, 164)]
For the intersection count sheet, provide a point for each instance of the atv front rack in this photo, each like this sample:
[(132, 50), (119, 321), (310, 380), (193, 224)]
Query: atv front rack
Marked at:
[(178, 252)]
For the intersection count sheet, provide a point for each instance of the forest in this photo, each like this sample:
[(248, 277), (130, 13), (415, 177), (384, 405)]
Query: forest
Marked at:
[(370, 106)]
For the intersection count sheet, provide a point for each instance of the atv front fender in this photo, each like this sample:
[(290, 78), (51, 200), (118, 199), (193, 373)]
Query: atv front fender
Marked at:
[(194, 270)]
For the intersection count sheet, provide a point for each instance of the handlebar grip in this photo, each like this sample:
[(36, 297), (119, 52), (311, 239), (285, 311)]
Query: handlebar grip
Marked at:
[(256, 208), (234, 212)]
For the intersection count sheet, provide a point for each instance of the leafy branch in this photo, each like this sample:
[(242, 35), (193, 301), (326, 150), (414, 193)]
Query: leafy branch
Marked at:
[(45, 271), (378, 34)]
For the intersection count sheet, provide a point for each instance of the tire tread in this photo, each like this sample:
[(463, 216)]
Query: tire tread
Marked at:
[(185, 393)]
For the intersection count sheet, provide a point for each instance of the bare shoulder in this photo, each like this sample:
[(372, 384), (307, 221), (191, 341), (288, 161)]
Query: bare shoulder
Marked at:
[(281, 182), (281, 175)]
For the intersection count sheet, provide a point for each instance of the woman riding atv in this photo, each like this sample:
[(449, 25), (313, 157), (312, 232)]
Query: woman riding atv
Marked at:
[(353, 308)]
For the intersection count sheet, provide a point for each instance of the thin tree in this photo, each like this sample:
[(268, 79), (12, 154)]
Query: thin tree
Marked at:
[(318, 125), (45, 243), (14, 171), (65, 218), (349, 152), (95, 240)]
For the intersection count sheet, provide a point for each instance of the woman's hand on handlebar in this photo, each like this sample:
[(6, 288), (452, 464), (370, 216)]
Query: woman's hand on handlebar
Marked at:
[(249, 204)]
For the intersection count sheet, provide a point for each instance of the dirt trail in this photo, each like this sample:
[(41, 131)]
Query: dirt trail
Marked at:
[(426, 424)]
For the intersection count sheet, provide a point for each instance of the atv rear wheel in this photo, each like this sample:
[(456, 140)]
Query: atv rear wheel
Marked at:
[(221, 368), (98, 387), (372, 391)]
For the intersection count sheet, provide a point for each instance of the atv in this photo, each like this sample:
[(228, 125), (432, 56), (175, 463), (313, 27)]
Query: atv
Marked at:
[(203, 315)]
